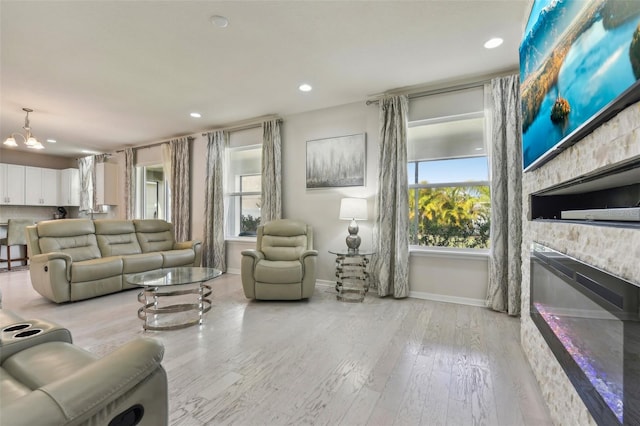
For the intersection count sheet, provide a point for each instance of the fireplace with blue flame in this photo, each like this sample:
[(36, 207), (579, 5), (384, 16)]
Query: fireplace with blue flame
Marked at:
[(591, 321)]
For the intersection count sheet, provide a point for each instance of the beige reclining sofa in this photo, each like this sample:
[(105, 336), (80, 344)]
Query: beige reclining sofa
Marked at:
[(46, 380), (76, 259)]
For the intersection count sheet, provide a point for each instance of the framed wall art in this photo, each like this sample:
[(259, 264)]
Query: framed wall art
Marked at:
[(336, 162)]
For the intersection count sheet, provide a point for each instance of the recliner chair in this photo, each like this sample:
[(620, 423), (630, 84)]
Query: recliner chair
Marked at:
[(47, 380), (283, 265)]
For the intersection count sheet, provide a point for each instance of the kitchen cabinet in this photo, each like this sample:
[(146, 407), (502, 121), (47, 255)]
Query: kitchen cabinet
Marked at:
[(12, 184), (107, 184), (69, 189), (41, 186)]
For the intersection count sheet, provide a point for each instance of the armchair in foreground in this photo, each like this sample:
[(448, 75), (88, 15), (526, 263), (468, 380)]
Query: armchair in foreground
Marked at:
[(46, 380), (283, 265)]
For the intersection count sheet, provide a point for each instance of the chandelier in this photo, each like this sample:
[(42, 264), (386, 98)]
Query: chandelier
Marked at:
[(29, 140)]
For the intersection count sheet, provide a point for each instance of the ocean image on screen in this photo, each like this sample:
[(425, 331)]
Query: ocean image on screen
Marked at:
[(576, 57)]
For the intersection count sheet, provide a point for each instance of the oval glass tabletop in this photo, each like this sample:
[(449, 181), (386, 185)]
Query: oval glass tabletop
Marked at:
[(173, 276)]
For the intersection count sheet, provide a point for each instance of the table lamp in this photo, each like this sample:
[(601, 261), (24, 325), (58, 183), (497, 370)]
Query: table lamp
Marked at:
[(352, 209)]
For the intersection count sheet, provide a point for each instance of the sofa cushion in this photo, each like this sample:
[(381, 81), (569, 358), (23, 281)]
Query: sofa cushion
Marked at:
[(65, 228), (283, 248), (79, 247), (282, 272), (174, 258), (154, 235), (143, 262), (116, 237), (96, 269)]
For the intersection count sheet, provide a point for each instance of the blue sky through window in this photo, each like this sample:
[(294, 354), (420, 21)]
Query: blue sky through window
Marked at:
[(450, 170)]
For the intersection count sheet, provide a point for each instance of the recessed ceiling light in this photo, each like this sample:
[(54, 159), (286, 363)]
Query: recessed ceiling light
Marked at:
[(305, 87), (493, 43), (195, 115), (219, 21), (52, 140)]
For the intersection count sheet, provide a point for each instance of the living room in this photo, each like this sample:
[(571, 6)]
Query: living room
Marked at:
[(381, 379)]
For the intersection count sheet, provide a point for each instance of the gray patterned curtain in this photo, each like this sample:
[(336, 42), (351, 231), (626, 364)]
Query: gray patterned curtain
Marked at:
[(180, 187), (85, 167), (506, 196), (271, 172), (213, 247), (129, 184), (391, 239)]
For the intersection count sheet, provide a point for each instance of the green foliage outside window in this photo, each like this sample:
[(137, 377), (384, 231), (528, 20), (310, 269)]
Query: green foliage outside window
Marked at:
[(248, 225), (450, 216)]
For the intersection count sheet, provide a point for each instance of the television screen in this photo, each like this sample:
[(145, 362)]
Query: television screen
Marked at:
[(579, 66)]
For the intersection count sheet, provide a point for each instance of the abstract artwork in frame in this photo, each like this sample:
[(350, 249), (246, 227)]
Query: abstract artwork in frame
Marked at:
[(336, 162)]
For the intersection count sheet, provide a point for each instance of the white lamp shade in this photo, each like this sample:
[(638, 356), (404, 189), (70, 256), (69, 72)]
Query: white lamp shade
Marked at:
[(10, 142), (353, 208)]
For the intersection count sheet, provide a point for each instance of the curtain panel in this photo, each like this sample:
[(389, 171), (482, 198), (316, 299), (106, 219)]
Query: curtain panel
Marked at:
[(271, 172), (129, 184), (85, 168), (180, 187), (505, 274), (213, 247), (391, 240)]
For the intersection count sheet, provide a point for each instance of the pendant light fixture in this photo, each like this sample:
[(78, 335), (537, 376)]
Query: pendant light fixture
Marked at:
[(29, 140)]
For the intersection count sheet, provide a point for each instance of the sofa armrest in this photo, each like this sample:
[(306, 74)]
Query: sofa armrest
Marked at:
[(90, 389), (257, 255), (247, 266), (42, 259), (51, 275), (106, 379), (185, 244), (195, 245), (307, 253)]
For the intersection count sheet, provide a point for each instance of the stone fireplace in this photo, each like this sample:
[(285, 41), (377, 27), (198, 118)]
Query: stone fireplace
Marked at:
[(612, 151)]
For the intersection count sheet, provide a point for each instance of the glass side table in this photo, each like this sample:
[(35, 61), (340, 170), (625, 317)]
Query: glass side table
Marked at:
[(352, 276)]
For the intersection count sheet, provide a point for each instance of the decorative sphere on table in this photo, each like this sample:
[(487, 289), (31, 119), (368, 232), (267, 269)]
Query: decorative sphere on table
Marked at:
[(353, 239)]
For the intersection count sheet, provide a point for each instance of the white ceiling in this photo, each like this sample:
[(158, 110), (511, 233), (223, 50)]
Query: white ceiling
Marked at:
[(102, 75)]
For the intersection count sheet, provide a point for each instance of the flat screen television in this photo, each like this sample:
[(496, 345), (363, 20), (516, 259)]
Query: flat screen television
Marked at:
[(579, 66)]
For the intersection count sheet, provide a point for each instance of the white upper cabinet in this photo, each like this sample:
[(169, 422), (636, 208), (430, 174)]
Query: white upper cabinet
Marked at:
[(69, 190), (41, 186), (12, 184)]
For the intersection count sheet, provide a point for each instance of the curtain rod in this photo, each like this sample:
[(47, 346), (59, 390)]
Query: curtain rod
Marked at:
[(240, 127), (156, 143), (456, 88)]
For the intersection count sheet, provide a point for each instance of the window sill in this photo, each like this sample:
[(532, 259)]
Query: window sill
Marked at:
[(241, 239), (449, 252)]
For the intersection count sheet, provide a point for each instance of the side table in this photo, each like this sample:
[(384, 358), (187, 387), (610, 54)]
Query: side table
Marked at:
[(352, 276)]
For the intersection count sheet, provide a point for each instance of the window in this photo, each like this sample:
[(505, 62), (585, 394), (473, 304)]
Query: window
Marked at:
[(153, 200), (243, 191), (449, 199)]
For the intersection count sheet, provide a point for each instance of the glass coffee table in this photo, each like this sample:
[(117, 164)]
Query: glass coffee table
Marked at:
[(166, 299)]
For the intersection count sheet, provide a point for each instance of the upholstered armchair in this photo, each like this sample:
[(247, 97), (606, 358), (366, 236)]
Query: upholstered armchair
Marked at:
[(283, 265)]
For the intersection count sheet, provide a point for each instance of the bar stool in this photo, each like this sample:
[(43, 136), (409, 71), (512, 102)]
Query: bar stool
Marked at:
[(16, 236)]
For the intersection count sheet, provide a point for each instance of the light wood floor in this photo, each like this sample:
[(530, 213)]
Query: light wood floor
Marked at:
[(319, 362)]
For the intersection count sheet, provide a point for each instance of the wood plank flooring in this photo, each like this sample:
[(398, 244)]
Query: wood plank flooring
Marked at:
[(318, 362)]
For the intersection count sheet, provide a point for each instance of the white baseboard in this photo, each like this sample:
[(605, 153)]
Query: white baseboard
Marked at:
[(233, 271), (326, 283), (425, 296), (448, 299)]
